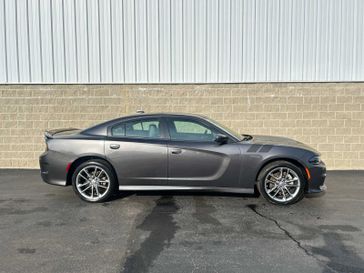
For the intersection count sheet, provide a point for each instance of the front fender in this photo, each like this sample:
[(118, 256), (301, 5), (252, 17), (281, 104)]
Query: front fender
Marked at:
[(253, 161)]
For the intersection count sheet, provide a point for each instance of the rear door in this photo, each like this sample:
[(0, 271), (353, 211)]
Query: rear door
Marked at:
[(195, 159), (137, 148)]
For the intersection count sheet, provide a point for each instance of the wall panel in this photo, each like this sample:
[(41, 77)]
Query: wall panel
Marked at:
[(184, 41)]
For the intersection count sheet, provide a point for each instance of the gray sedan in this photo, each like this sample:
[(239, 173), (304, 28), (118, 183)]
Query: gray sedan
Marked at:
[(179, 152)]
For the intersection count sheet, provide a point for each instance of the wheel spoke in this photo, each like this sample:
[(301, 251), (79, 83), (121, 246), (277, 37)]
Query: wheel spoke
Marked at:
[(274, 182), (272, 189), (97, 191), (98, 176), (292, 180), (287, 172), (288, 191), (284, 195), (85, 189), (276, 193), (87, 173), (84, 184), (281, 173), (83, 177), (92, 191), (101, 186), (272, 177)]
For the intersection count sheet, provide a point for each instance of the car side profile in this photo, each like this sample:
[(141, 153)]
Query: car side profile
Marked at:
[(179, 152)]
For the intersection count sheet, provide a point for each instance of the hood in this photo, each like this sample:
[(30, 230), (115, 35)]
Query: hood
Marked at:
[(281, 141)]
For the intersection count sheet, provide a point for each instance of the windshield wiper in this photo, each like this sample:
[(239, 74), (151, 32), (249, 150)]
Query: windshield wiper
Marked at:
[(247, 137)]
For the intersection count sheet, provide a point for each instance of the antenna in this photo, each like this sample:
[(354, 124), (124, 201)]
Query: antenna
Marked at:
[(140, 111)]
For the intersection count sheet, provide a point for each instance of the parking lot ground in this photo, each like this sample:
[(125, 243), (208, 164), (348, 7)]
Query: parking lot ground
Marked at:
[(46, 228)]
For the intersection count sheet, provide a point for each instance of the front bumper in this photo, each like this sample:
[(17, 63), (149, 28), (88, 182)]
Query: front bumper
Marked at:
[(316, 193), (316, 185)]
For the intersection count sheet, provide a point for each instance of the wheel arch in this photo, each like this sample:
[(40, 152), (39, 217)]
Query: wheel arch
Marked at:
[(83, 159), (294, 161)]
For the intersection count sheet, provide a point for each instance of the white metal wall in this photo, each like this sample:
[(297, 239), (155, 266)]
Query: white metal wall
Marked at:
[(181, 41)]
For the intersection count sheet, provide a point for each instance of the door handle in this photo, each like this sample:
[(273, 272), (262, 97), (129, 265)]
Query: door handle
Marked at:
[(114, 146), (176, 151)]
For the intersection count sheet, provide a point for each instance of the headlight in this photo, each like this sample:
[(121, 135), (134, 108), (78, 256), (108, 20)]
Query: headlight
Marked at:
[(316, 160)]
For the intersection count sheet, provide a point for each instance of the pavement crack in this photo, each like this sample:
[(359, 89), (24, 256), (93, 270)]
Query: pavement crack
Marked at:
[(290, 236)]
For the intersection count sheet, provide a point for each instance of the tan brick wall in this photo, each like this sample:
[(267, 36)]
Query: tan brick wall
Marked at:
[(329, 117)]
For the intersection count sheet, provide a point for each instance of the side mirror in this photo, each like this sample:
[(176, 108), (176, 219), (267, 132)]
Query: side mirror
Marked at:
[(221, 139)]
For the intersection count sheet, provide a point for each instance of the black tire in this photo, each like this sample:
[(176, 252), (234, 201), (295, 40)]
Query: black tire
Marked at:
[(100, 165), (271, 167)]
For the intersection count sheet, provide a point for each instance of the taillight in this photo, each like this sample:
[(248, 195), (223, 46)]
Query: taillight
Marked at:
[(68, 166)]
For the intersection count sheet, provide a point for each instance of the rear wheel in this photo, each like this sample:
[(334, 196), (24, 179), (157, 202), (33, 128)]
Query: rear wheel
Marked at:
[(94, 181), (282, 183)]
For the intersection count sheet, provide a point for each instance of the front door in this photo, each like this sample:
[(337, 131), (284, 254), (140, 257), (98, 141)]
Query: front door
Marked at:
[(137, 149), (195, 159)]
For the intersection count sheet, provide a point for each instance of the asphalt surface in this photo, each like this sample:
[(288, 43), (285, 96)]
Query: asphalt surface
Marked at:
[(46, 228)]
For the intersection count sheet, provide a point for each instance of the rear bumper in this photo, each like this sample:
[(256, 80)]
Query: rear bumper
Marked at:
[(52, 171), (316, 185)]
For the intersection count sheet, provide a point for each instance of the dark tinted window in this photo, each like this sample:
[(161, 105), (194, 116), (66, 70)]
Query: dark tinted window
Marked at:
[(185, 129), (146, 128), (118, 130)]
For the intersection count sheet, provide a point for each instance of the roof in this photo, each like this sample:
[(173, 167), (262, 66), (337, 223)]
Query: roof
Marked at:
[(163, 114)]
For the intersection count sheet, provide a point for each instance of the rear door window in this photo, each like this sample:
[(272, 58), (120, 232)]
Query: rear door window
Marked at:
[(140, 128)]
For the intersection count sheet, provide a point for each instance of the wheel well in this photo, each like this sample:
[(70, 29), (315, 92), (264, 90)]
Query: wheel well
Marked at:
[(79, 161), (293, 161)]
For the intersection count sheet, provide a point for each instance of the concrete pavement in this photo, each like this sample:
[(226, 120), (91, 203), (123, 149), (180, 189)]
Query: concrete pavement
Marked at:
[(45, 228)]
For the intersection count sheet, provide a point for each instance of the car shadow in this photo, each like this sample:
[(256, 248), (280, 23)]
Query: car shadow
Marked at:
[(125, 194)]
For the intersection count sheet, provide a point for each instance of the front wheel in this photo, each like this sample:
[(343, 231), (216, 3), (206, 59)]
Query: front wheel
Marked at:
[(94, 181), (281, 183)]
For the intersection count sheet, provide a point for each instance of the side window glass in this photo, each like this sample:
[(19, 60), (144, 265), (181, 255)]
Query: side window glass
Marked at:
[(146, 128), (190, 130), (118, 130)]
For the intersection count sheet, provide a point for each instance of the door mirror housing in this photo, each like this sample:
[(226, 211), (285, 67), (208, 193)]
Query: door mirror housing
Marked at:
[(221, 139)]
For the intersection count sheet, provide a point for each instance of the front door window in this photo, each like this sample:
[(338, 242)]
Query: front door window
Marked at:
[(190, 130)]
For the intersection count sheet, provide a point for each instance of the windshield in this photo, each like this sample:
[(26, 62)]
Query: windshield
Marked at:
[(231, 132)]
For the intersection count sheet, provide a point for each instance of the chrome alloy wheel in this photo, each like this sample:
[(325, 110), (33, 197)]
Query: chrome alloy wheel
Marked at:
[(282, 184), (92, 182)]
